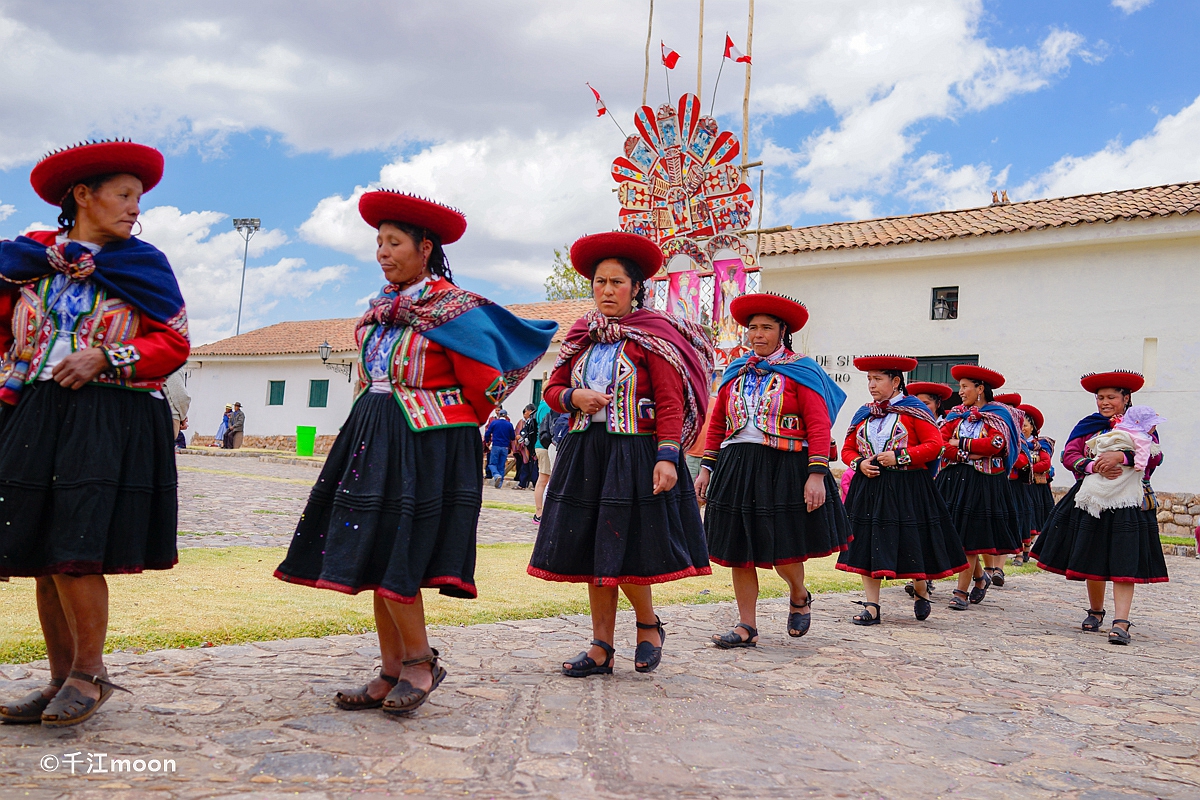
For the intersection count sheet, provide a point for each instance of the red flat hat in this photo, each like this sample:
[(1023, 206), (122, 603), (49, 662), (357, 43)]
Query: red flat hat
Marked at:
[(1034, 414), (589, 251), (989, 377), (1009, 399), (793, 313), (888, 362), (386, 205), (939, 390), (54, 175), (1117, 379)]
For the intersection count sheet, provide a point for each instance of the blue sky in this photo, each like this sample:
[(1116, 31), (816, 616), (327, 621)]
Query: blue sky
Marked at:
[(864, 108)]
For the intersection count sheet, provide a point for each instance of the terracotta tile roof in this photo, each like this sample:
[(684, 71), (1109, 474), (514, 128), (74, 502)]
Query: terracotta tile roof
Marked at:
[(1155, 201), (305, 336)]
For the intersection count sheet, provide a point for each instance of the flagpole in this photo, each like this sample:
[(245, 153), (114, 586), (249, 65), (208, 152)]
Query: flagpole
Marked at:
[(614, 119), (713, 104), (700, 54), (667, 72), (746, 95), (646, 74)]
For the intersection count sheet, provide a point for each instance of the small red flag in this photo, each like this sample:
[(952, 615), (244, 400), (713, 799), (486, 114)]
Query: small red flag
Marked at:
[(733, 53), (669, 57), (601, 109)]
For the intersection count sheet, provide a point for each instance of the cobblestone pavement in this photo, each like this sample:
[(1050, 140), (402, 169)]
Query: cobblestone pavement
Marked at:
[(1009, 700), (244, 501)]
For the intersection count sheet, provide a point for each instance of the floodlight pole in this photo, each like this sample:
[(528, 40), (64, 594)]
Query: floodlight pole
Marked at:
[(246, 228)]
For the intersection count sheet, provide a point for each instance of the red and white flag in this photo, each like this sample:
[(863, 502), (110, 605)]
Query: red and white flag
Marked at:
[(733, 53), (601, 109), (669, 57)]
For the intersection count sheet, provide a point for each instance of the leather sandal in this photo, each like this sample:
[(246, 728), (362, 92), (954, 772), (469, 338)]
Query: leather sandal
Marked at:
[(798, 624), (978, 592), (29, 708), (728, 641), (1093, 621), (922, 608), (1118, 636), (71, 706), (958, 601), (998, 576), (584, 665), (646, 654), (911, 590), (360, 698), (406, 698), (864, 617)]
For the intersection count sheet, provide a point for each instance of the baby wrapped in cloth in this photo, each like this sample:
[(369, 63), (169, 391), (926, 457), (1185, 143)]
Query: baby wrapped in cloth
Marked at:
[(1132, 433)]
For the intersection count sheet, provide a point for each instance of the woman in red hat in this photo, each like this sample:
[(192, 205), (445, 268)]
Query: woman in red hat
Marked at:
[(620, 509), (900, 524), (1018, 479), (982, 445), (1121, 545), (932, 395), (396, 505), (91, 324), (1035, 480), (771, 500)]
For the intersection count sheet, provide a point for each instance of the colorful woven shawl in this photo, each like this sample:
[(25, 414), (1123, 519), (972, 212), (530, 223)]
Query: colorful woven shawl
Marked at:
[(686, 346), (905, 405)]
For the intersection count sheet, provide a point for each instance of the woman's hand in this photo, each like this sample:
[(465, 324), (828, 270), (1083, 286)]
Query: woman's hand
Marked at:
[(886, 459), (702, 483), (814, 491), (867, 467), (589, 401), (79, 369), (952, 443), (1109, 464), (665, 477)]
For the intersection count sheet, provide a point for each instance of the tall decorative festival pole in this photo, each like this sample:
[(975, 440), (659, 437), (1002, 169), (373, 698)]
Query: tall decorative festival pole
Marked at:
[(746, 96), (646, 75), (700, 54)]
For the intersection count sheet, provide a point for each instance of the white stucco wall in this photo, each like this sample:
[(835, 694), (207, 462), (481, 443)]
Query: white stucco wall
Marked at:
[(1041, 307), (214, 381)]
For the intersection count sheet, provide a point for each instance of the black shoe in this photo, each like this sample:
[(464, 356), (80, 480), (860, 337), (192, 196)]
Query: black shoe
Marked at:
[(798, 624), (647, 654), (998, 577), (1118, 636), (1093, 621), (864, 617), (732, 639), (922, 608), (978, 593), (584, 665)]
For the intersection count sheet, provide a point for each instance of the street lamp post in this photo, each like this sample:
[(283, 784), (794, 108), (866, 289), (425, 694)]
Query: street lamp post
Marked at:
[(247, 227)]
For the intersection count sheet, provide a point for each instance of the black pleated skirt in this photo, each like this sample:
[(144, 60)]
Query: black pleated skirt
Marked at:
[(393, 510), (602, 523), (1121, 546), (1020, 498), (983, 509), (1041, 503), (756, 515), (901, 528), (87, 482)]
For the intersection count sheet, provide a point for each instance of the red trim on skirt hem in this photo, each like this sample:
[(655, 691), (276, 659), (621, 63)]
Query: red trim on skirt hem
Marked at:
[(888, 574), (636, 580), (994, 552), (79, 568), (1072, 575), (772, 564), (387, 594)]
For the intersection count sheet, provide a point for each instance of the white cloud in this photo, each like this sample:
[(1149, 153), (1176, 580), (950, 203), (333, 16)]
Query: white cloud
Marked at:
[(1130, 6), (6, 211), (1168, 154), (209, 269)]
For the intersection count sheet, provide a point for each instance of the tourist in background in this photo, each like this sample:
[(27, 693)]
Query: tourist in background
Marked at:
[(771, 499), (900, 525), (526, 475), (1115, 541), (219, 439), (982, 444), (237, 427), (551, 426), (620, 509), (499, 438), (93, 322), (175, 391), (396, 506)]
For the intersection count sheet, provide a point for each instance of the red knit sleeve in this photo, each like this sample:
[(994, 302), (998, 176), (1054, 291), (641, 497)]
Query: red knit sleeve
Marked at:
[(850, 451), (816, 426), (156, 352), (924, 442), (1043, 462), (8, 301), (950, 431), (478, 382), (667, 386), (716, 426), (556, 388)]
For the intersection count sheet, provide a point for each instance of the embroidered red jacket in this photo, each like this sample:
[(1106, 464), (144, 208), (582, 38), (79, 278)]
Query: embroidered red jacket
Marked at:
[(141, 352), (436, 387), (647, 396), (1024, 471), (986, 443), (790, 416), (915, 442)]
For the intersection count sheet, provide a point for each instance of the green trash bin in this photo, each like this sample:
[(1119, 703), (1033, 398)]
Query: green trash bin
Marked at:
[(306, 439)]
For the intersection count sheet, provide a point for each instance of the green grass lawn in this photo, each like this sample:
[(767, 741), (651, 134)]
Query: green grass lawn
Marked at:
[(228, 595), (1185, 540)]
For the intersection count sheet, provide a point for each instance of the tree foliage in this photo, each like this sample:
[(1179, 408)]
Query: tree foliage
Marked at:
[(564, 283)]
